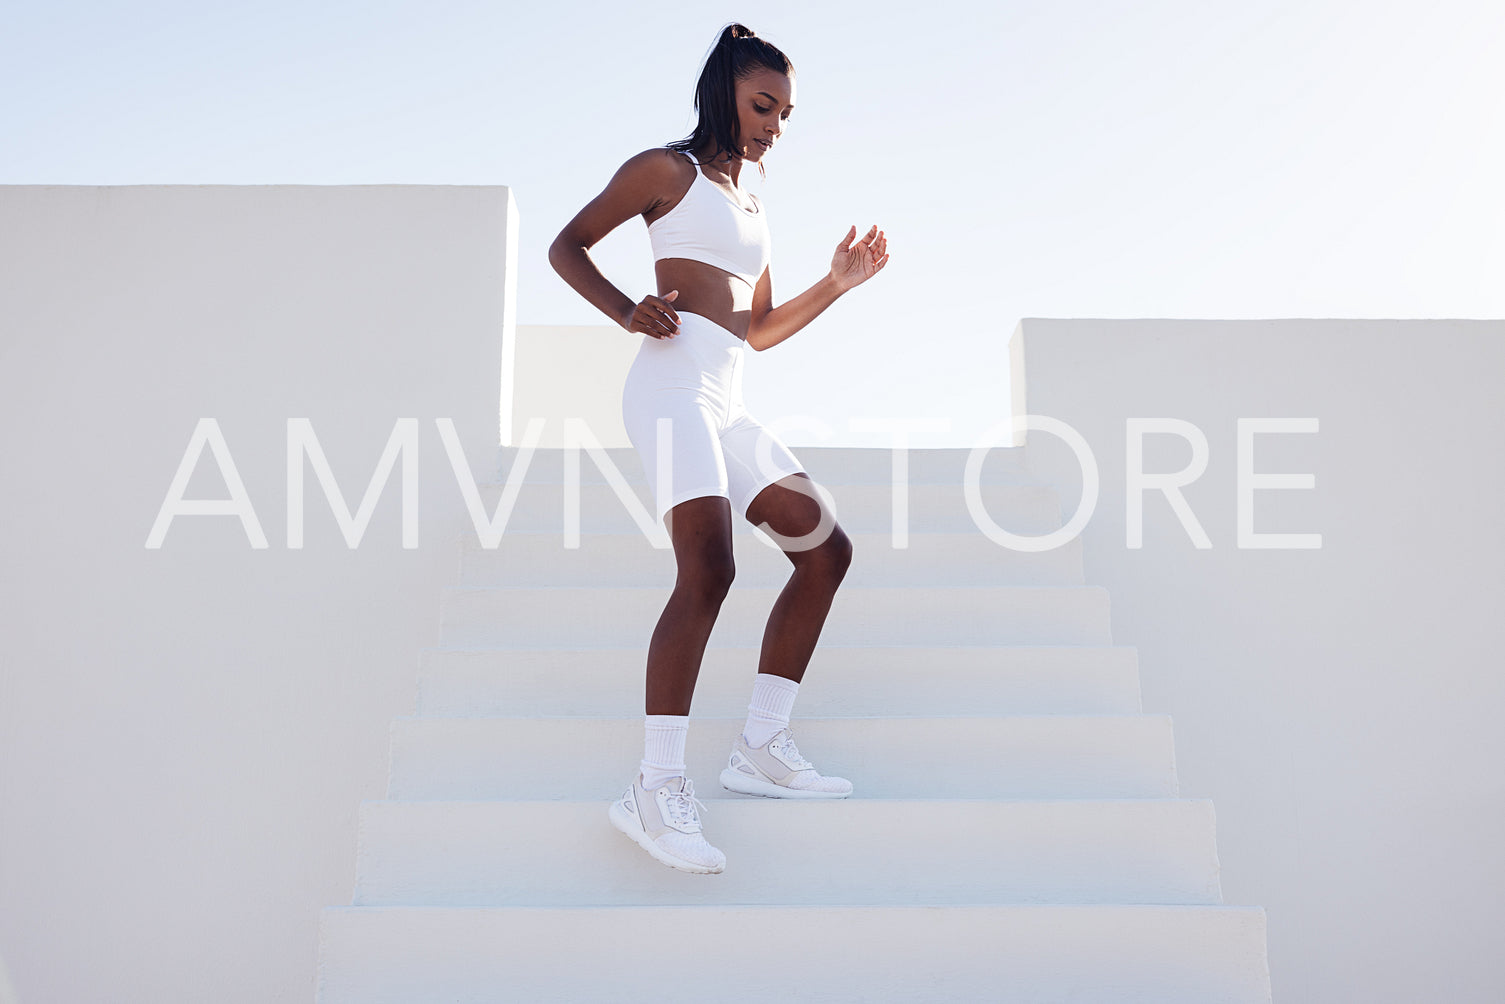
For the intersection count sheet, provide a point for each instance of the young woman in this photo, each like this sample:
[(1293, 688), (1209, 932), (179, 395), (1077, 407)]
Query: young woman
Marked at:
[(703, 453)]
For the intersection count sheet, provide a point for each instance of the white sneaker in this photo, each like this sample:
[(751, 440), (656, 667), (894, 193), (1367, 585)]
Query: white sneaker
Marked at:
[(777, 770), (665, 824)]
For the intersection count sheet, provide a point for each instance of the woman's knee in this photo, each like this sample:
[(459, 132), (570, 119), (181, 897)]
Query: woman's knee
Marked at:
[(841, 551), (707, 577), (701, 530), (831, 558)]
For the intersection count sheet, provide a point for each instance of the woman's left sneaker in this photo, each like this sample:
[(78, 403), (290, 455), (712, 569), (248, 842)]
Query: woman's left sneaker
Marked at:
[(777, 770)]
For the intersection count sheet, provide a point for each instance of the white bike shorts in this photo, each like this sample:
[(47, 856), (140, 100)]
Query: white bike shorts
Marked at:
[(682, 405)]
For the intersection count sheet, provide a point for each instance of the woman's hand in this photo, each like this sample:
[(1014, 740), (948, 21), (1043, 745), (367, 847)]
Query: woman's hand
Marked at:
[(854, 264), (653, 316)]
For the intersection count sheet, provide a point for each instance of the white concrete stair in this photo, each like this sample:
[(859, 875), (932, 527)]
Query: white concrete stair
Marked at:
[(1023, 756), (1015, 833), (846, 852), (1022, 954), (842, 680)]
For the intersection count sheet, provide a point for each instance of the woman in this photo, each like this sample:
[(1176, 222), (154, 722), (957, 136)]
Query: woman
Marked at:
[(703, 453)]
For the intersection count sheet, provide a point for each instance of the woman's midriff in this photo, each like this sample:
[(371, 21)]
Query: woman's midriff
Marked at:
[(713, 293)]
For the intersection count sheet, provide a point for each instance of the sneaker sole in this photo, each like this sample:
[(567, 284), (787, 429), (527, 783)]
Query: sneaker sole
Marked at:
[(628, 829), (736, 781)]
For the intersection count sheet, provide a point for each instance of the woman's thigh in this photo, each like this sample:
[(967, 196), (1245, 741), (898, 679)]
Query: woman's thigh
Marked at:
[(792, 512)]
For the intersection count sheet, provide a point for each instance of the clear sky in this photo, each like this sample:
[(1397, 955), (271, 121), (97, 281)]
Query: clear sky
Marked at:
[(1158, 159)]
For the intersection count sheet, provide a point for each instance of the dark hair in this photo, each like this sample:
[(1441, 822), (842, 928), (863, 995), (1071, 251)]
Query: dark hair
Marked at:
[(737, 53)]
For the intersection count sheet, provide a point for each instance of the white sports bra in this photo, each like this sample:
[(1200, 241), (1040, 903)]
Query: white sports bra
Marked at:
[(707, 226)]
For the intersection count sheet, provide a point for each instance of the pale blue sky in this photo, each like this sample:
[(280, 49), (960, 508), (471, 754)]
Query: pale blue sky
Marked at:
[(1162, 159)]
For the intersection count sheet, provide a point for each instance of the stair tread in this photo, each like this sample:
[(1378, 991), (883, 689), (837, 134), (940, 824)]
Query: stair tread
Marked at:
[(1046, 952), (847, 850), (1104, 755)]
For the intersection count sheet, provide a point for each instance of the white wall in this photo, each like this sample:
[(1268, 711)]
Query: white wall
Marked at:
[(186, 732), (1341, 706), (572, 371)]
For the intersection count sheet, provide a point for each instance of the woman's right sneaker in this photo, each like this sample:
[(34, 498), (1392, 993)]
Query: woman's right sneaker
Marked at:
[(665, 824)]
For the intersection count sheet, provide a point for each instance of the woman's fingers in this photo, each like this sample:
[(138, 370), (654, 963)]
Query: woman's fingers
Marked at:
[(663, 306), (654, 323), (654, 316), (872, 237), (666, 319)]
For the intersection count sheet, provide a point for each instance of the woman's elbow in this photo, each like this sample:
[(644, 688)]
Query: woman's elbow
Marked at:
[(755, 333), (564, 252)]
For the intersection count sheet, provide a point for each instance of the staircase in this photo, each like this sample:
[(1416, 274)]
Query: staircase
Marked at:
[(1015, 833)]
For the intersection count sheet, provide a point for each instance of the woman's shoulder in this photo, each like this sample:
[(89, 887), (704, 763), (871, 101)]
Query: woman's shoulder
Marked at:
[(658, 169), (658, 175), (661, 161)]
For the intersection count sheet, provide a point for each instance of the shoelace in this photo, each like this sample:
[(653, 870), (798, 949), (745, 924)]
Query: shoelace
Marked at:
[(682, 805), (792, 752)]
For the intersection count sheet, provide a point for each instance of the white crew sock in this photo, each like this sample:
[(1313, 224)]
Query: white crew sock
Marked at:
[(663, 749), (772, 700)]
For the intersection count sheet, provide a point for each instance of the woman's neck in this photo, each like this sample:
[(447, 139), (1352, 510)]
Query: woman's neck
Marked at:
[(726, 164)]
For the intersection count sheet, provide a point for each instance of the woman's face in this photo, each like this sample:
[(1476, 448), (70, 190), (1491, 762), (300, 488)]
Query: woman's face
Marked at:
[(765, 100)]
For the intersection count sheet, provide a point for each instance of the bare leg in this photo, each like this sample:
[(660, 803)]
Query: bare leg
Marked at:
[(799, 613), (701, 531)]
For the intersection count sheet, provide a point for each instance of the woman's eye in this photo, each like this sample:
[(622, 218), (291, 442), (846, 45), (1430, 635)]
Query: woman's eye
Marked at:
[(761, 110)]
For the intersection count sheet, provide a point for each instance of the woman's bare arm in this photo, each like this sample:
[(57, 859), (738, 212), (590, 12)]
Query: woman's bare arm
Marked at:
[(635, 189), (852, 265), (770, 325)]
